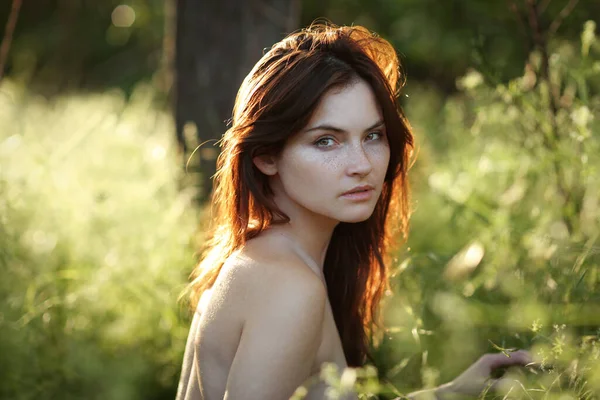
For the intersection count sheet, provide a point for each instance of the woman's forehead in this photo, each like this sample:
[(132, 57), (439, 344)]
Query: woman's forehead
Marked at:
[(348, 108)]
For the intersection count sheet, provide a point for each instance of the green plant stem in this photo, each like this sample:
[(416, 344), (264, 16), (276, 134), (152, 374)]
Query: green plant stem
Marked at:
[(8, 34)]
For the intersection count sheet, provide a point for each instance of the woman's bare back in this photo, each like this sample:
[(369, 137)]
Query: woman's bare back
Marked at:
[(249, 278)]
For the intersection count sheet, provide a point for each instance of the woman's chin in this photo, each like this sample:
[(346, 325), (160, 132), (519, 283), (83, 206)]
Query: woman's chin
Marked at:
[(355, 218)]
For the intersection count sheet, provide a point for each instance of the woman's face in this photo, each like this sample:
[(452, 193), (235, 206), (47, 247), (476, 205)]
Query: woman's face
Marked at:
[(343, 148)]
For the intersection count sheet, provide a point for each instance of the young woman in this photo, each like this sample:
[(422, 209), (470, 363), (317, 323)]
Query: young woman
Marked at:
[(310, 196)]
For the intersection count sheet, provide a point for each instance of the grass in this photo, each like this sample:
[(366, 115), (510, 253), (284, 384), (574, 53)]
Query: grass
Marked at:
[(96, 246), (97, 229)]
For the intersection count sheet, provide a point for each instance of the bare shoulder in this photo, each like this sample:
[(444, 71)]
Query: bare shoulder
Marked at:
[(273, 277), (283, 313)]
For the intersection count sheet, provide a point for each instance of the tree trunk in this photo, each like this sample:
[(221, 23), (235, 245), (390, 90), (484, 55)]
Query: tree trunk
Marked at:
[(217, 43)]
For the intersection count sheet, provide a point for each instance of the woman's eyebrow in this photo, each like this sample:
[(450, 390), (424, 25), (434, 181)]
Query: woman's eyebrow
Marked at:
[(327, 127)]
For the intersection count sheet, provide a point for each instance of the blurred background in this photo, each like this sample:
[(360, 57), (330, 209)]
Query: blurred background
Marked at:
[(102, 196)]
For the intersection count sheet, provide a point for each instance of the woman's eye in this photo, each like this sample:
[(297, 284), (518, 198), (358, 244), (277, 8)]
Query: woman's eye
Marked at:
[(324, 142), (375, 135)]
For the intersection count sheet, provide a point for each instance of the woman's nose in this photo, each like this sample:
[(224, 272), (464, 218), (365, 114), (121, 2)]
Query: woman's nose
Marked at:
[(358, 162)]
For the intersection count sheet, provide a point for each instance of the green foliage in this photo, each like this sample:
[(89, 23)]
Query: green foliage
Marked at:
[(504, 244), (503, 252), (95, 233), (440, 40), (61, 46), (94, 247), (76, 44)]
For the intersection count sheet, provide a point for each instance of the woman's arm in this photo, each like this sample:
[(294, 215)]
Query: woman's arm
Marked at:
[(280, 337), (477, 377)]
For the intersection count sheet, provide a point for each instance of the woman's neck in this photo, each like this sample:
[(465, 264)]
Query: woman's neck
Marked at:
[(312, 243), (310, 231)]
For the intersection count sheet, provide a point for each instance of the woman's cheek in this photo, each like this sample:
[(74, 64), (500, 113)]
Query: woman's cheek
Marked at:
[(381, 153)]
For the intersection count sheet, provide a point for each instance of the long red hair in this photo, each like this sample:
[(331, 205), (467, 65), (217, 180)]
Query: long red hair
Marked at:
[(275, 101)]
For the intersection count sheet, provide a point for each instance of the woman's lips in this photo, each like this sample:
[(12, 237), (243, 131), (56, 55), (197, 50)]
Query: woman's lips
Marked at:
[(359, 196)]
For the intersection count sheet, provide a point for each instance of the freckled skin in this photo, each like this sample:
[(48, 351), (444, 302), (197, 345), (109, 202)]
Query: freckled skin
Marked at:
[(268, 324), (315, 175)]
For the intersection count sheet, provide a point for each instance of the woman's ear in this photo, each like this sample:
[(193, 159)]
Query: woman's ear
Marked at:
[(266, 164)]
